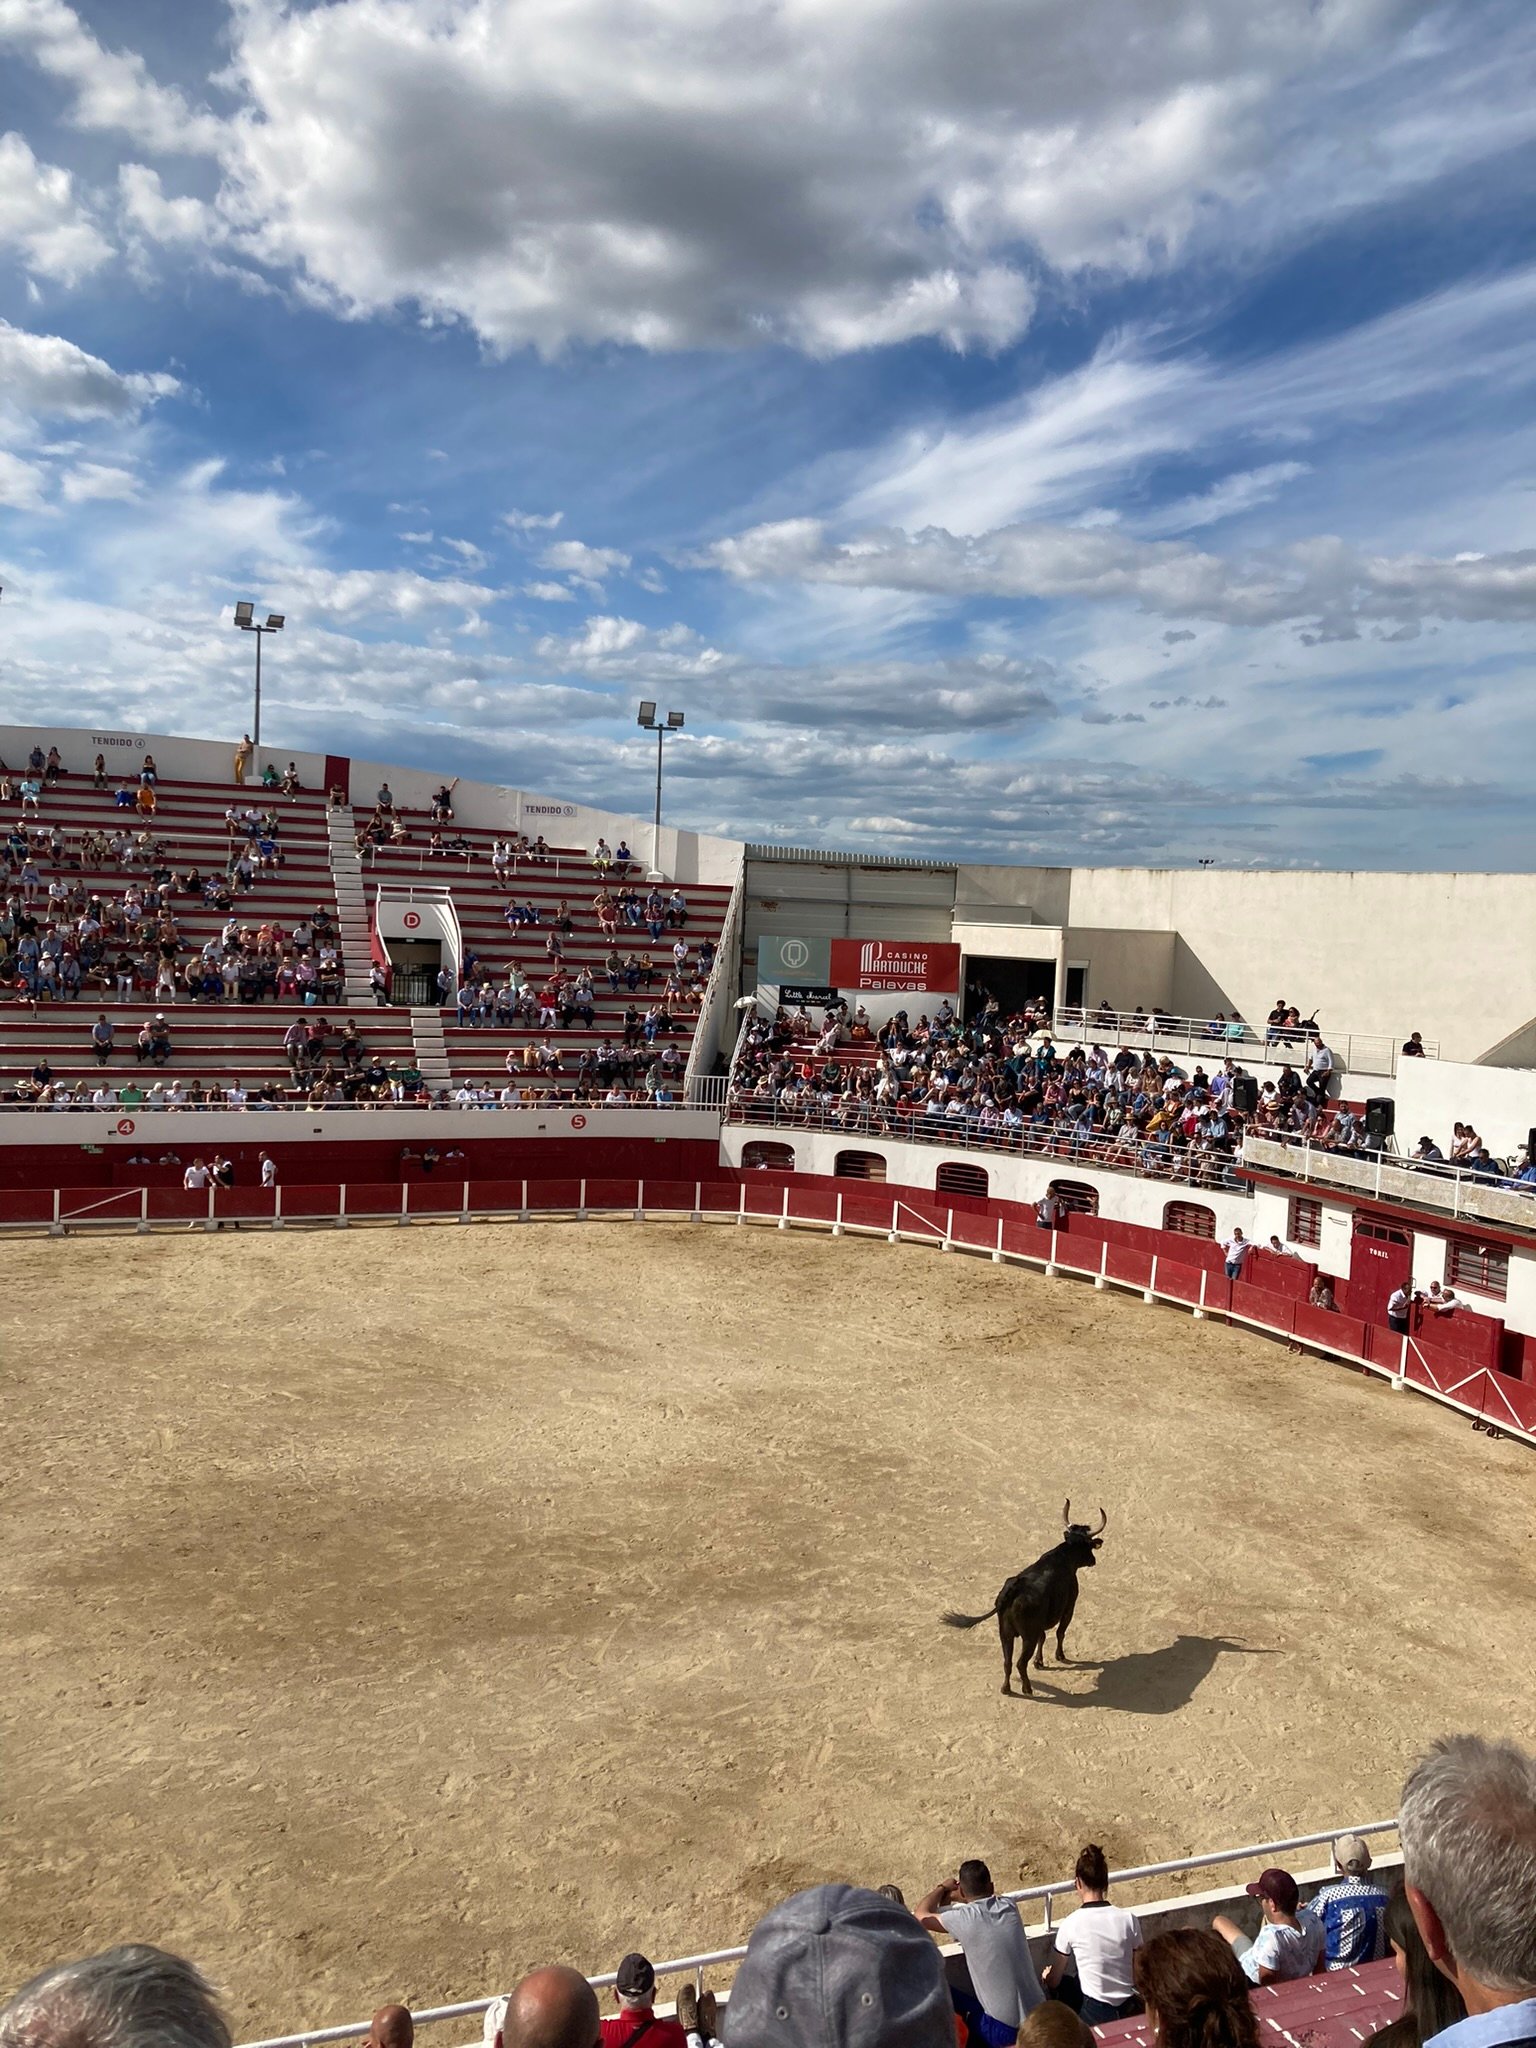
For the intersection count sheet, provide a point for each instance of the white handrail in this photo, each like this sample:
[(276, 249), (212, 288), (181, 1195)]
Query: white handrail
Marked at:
[(678, 1966)]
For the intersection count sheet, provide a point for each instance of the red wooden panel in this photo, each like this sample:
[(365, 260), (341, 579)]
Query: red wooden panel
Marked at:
[(170, 1205), (1179, 1280), (100, 1205), (866, 1209), (719, 1198), (1382, 1346), (676, 1194), (554, 1194), (1275, 1311), (432, 1196), (27, 1205), (765, 1197), (819, 1204), (1218, 1293), (1509, 1401), (976, 1230), (382, 1198), (489, 1194), (1080, 1257), (245, 1203), (1130, 1264), (1319, 1326), (1463, 1335), (1027, 1239), (616, 1194)]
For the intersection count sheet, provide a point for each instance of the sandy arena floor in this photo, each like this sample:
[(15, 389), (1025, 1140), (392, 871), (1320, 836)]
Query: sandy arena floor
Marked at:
[(388, 1611)]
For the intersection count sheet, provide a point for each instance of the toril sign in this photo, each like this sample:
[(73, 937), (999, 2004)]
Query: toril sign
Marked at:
[(913, 964)]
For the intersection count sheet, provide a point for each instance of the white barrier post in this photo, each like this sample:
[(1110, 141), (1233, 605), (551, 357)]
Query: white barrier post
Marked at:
[(741, 1206), (837, 1225), (405, 1201), (1098, 1278), (581, 1200), (1400, 1377), (143, 1223), (997, 1256), (277, 1209), (208, 1219), (464, 1202), (640, 1202), (56, 1227), (1149, 1292), (893, 1236), (522, 1214), (1200, 1305), (1050, 1264), (696, 1214)]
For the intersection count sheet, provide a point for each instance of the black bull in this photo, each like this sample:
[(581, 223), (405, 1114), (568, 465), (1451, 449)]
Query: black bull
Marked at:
[(1040, 1598)]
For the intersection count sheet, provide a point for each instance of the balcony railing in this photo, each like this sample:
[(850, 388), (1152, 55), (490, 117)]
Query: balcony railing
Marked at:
[(1183, 1165), (1354, 1052), (1385, 1176)]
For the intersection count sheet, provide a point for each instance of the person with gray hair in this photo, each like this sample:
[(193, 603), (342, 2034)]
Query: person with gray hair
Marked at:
[(129, 1997), (1468, 1829)]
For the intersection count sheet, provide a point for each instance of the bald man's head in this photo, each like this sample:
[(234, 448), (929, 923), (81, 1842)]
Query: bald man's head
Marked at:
[(552, 2007), (392, 2027)]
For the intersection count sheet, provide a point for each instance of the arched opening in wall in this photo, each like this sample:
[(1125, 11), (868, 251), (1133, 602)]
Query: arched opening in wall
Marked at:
[(959, 1177), (1482, 1268), (1190, 1219), (762, 1152), (1077, 1197), (859, 1166), (1305, 1221)]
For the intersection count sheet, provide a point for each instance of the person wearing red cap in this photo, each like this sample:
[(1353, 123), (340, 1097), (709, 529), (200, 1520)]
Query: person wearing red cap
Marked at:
[(1289, 1943)]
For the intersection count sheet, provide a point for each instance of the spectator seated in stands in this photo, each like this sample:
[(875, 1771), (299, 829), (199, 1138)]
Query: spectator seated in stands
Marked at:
[(1290, 1940), (1004, 1987), (1413, 1046), (392, 2025), (134, 1994), (552, 2007), (1352, 1910), (837, 1967), (1194, 1993), (1431, 2002), (634, 1989), (623, 859), (1468, 1830), (1097, 1943)]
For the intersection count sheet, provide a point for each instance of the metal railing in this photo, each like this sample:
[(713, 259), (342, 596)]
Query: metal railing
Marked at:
[(1356, 1052), (1388, 1176), (1177, 1165), (715, 1958)]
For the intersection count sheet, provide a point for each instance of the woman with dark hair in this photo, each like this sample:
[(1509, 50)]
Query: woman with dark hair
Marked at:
[(1099, 1942), (1194, 1992), (1430, 2001)]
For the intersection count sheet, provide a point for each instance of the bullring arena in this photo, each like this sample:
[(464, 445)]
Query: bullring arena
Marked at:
[(392, 1610)]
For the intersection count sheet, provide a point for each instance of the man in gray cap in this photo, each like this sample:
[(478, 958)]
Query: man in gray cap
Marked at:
[(1352, 1909), (1002, 1970), (837, 1967)]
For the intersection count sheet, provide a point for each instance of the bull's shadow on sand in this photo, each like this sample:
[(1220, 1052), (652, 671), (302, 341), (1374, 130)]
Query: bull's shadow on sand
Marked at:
[(1147, 1681)]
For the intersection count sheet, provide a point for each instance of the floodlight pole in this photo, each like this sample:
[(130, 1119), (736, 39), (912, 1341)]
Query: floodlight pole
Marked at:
[(656, 874), (246, 620)]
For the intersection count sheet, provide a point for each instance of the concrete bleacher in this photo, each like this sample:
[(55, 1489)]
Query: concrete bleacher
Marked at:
[(477, 1054), (213, 1043)]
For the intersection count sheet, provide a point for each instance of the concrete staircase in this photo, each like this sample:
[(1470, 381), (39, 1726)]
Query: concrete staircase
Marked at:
[(351, 904), (431, 1048)]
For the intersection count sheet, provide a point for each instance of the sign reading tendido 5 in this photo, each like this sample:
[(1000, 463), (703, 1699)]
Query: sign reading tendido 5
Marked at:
[(913, 964)]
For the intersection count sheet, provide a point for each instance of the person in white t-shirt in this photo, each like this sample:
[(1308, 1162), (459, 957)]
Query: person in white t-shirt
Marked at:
[(268, 1170), (196, 1175), (1098, 1940), (1290, 1941)]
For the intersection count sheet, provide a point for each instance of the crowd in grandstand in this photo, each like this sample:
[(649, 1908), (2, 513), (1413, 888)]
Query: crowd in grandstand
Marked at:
[(839, 1966)]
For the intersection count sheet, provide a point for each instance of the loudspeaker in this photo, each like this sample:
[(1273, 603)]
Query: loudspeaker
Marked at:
[(1380, 1118), (1530, 1144), (1245, 1094)]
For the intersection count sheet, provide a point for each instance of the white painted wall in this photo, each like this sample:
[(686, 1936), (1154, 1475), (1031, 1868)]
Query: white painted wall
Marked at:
[(179, 759), (1121, 1195), (186, 1131), (1431, 1095)]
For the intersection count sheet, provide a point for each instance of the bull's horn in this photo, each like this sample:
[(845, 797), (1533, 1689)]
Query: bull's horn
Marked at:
[(1103, 1524), (1066, 1516)]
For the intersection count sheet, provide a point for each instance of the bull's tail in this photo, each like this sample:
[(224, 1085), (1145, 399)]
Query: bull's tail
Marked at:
[(968, 1620)]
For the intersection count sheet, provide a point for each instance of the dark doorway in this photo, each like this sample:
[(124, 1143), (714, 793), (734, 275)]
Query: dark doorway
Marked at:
[(1013, 982)]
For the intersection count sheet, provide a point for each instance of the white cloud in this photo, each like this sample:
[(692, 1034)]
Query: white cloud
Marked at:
[(531, 522), (177, 223), (1226, 499), (375, 593), (1324, 584), (43, 221), (112, 90), (43, 374), (471, 556), (550, 593), (89, 481), (833, 177), (588, 567), (22, 483)]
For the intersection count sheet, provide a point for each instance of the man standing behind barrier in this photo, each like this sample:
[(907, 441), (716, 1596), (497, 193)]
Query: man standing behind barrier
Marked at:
[(1468, 1828), (997, 1955)]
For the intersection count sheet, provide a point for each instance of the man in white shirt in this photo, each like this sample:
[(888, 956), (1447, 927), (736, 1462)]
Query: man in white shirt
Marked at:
[(196, 1176), (268, 1170), (1319, 1069), (1004, 1987), (1235, 1253), (1290, 1941)]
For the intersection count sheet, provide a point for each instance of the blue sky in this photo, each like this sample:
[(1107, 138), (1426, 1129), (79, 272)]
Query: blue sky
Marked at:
[(1006, 428)]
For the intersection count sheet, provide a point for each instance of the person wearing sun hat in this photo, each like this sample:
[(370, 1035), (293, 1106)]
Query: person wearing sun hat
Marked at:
[(1289, 1942), (839, 1967)]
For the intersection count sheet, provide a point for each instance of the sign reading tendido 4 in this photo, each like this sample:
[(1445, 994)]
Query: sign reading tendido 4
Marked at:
[(913, 964)]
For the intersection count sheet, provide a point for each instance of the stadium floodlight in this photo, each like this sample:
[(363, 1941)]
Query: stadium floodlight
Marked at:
[(245, 619), (647, 720)]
